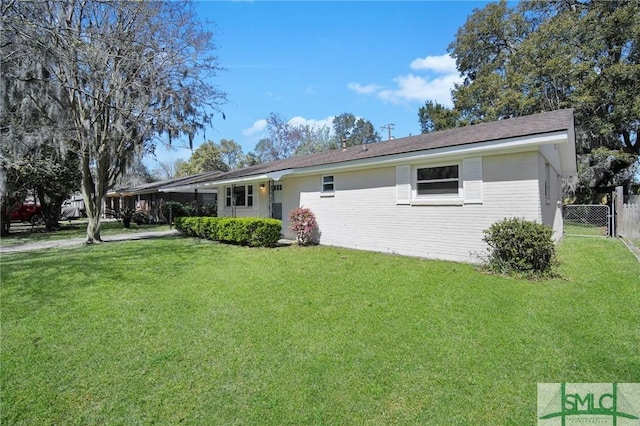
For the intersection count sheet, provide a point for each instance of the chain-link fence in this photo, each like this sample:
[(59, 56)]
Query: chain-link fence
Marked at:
[(587, 220)]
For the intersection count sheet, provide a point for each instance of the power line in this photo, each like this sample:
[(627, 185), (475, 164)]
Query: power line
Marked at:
[(388, 127)]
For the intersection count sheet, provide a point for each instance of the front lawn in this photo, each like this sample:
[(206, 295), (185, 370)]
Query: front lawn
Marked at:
[(24, 234), (179, 330)]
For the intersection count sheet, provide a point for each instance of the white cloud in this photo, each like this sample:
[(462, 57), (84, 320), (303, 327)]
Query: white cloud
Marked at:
[(440, 77), (443, 64), (420, 89), (364, 90), (260, 125), (257, 127), (311, 122)]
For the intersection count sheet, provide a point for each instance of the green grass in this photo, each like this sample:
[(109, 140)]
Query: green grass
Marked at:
[(574, 228), (178, 330), (20, 234)]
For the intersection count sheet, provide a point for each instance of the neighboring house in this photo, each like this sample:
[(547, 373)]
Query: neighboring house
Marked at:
[(73, 207), (430, 195), (149, 196)]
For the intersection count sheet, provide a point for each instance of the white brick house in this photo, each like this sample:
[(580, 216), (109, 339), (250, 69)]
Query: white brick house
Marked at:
[(429, 195)]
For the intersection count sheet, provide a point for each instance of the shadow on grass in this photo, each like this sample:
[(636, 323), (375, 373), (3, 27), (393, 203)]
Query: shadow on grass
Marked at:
[(43, 277)]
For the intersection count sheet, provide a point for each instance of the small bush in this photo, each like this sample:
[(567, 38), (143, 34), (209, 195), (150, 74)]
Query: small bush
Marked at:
[(518, 246), (209, 209), (303, 223), (140, 218), (253, 232), (172, 209)]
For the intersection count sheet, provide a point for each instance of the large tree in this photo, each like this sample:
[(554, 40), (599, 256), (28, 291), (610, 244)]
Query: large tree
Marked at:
[(165, 170), (230, 152), (206, 158), (353, 130), (314, 139), (43, 173), (545, 55), (282, 141), (136, 174), (434, 116), (113, 77), (285, 139)]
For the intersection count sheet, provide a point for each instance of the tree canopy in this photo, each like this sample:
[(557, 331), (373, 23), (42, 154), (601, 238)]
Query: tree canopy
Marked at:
[(109, 80), (286, 139), (206, 158), (546, 55), (353, 130)]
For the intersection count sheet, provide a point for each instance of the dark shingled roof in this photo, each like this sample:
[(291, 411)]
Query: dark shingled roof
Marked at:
[(154, 186), (547, 122)]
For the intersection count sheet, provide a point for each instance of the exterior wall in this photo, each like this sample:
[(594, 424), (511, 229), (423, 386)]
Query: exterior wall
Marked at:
[(363, 212), (551, 203)]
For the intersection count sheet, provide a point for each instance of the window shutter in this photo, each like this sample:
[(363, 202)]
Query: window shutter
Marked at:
[(403, 184), (472, 180)]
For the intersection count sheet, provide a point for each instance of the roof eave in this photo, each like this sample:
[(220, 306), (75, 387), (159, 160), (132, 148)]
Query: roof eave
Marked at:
[(494, 147), (502, 146)]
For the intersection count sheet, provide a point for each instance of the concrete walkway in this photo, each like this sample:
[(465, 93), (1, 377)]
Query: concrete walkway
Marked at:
[(71, 242)]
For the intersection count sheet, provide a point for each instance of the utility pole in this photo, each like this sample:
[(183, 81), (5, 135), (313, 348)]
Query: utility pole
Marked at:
[(388, 127)]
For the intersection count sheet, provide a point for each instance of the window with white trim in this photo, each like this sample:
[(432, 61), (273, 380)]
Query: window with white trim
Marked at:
[(328, 184), (239, 195), (445, 184), (440, 181)]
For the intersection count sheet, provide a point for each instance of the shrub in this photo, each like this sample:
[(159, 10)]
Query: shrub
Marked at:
[(140, 218), (209, 209), (265, 233), (303, 223), (186, 225), (253, 232), (174, 209), (231, 230), (518, 246), (190, 209), (209, 227)]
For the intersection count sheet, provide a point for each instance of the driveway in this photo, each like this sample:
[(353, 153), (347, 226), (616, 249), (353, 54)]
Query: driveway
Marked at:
[(80, 241)]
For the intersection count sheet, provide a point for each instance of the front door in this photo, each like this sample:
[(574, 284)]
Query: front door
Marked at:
[(276, 205)]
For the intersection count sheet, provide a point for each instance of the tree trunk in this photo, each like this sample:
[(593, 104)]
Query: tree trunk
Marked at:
[(50, 211), (93, 206), (5, 223), (92, 202)]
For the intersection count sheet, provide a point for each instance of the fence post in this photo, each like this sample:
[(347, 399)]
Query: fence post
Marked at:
[(618, 204)]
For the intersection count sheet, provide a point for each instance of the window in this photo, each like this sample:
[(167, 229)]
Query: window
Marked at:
[(437, 181), (327, 184), (239, 195), (444, 185)]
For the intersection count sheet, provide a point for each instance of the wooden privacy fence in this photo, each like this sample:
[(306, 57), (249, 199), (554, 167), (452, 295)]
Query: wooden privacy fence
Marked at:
[(628, 223)]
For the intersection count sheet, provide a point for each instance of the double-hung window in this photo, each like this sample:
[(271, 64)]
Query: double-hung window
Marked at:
[(453, 184), (441, 181), (328, 184), (239, 196)]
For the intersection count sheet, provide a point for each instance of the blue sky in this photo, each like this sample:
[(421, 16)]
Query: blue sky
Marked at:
[(309, 61)]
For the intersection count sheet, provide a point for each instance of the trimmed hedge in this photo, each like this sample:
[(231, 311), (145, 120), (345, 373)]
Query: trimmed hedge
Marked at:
[(246, 231)]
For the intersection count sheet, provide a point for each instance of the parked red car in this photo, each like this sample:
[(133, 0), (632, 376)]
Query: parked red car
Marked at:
[(27, 212)]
